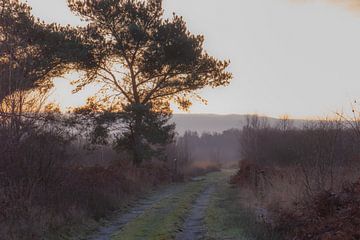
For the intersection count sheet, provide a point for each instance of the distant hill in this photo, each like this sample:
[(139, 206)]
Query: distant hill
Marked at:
[(216, 123)]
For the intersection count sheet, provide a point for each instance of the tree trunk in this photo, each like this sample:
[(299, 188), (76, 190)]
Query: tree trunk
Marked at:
[(137, 148)]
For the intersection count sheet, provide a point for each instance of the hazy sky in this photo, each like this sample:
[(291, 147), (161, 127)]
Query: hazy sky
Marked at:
[(295, 57)]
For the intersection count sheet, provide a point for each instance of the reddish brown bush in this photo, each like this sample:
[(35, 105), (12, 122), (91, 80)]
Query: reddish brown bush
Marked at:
[(200, 168), (246, 174), (329, 215)]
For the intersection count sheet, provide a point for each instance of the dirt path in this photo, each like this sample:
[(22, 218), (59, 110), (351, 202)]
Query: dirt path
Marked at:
[(194, 224), (118, 222), (176, 212)]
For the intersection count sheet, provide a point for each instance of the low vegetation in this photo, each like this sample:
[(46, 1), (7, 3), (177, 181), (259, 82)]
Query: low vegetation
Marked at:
[(165, 219), (227, 219), (301, 181)]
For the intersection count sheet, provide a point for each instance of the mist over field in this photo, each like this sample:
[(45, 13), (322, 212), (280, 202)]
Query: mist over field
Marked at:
[(209, 123)]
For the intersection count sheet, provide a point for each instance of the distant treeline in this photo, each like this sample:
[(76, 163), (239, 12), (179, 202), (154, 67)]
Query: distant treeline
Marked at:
[(212, 147)]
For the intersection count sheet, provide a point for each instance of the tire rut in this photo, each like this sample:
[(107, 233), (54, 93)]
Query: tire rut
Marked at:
[(193, 228), (118, 222)]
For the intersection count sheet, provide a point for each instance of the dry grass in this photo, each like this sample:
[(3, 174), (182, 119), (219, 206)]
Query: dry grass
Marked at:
[(292, 198), (82, 195), (287, 186)]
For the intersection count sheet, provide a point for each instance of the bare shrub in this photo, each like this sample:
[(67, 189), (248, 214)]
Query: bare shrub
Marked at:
[(283, 166), (289, 175), (320, 152)]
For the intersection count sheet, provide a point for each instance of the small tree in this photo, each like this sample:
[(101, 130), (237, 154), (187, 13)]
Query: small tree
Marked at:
[(145, 60)]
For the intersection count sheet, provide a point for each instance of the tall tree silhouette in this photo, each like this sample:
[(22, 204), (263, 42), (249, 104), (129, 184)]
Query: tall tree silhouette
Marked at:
[(144, 59)]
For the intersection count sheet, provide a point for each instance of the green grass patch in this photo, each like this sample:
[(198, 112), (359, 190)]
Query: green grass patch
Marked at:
[(164, 220), (226, 219)]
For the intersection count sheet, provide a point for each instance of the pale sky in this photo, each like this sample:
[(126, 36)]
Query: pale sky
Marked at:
[(294, 57)]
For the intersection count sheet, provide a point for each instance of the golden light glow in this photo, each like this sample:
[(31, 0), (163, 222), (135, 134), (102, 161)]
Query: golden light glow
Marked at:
[(297, 59)]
